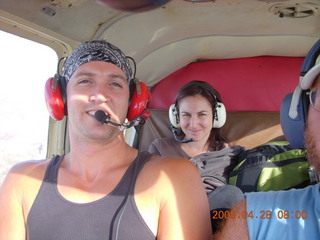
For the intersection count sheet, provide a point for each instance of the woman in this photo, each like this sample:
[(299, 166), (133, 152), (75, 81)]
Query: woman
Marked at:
[(196, 119)]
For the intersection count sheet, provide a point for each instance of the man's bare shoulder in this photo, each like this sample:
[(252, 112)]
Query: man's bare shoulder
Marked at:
[(29, 167), (167, 173), (173, 166), (23, 173), (234, 228), (170, 161)]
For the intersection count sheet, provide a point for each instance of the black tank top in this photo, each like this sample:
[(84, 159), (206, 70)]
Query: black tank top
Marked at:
[(113, 217)]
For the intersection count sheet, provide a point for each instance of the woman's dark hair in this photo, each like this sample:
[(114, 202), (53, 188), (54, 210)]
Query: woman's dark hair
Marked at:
[(216, 139)]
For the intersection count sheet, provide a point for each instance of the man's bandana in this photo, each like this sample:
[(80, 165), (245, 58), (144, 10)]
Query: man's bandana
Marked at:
[(97, 50)]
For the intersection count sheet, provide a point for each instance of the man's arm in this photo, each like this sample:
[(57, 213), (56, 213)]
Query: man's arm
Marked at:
[(234, 228), (12, 225), (184, 212)]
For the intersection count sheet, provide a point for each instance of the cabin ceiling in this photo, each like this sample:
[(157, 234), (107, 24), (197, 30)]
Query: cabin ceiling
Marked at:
[(169, 37)]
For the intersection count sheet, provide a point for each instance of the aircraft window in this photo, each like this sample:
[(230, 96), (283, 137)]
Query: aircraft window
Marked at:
[(25, 67)]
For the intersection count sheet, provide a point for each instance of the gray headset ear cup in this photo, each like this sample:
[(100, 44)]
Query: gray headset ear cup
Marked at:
[(293, 128), (220, 116), (173, 116)]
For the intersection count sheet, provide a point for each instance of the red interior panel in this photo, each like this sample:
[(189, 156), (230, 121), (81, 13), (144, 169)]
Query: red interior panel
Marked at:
[(245, 84)]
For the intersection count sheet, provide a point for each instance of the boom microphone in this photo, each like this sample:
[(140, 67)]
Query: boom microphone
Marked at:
[(183, 140), (101, 116), (104, 118), (175, 134)]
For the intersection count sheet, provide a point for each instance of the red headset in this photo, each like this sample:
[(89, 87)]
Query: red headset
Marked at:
[(55, 96)]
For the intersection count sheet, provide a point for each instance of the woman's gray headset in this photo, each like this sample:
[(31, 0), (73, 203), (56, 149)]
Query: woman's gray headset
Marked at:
[(220, 114), (294, 107)]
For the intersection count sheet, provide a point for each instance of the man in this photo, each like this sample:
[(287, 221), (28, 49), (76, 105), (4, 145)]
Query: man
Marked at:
[(292, 214), (103, 188)]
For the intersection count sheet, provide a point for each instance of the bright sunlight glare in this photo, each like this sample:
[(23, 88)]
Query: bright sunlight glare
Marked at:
[(25, 67)]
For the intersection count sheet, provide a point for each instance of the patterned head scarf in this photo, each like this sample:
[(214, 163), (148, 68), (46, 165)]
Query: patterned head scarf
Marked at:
[(97, 50)]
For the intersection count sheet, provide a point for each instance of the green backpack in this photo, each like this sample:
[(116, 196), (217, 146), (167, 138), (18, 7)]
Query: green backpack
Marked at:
[(272, 166)]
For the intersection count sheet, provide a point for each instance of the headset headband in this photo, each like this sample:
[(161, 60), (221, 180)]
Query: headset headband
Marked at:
[(294, 107), (219, 110), (204, 86), (310, 67)]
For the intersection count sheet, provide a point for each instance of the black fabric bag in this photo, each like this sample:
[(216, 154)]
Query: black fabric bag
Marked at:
[(272, 166)]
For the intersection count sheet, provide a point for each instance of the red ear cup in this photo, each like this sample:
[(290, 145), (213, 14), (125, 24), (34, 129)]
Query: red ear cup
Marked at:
[(140, 98), (54, 99), (57, 108)]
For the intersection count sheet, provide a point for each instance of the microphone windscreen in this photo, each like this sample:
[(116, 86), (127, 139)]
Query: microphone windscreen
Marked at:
[(101, 116)]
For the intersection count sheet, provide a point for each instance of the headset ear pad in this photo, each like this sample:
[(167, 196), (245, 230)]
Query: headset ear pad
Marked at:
[(55, 97), (139, 100), (294, 128), (220, 116), (173, 116)]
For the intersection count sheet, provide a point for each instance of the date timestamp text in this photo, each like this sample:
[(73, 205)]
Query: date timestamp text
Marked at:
[(263, 214)]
